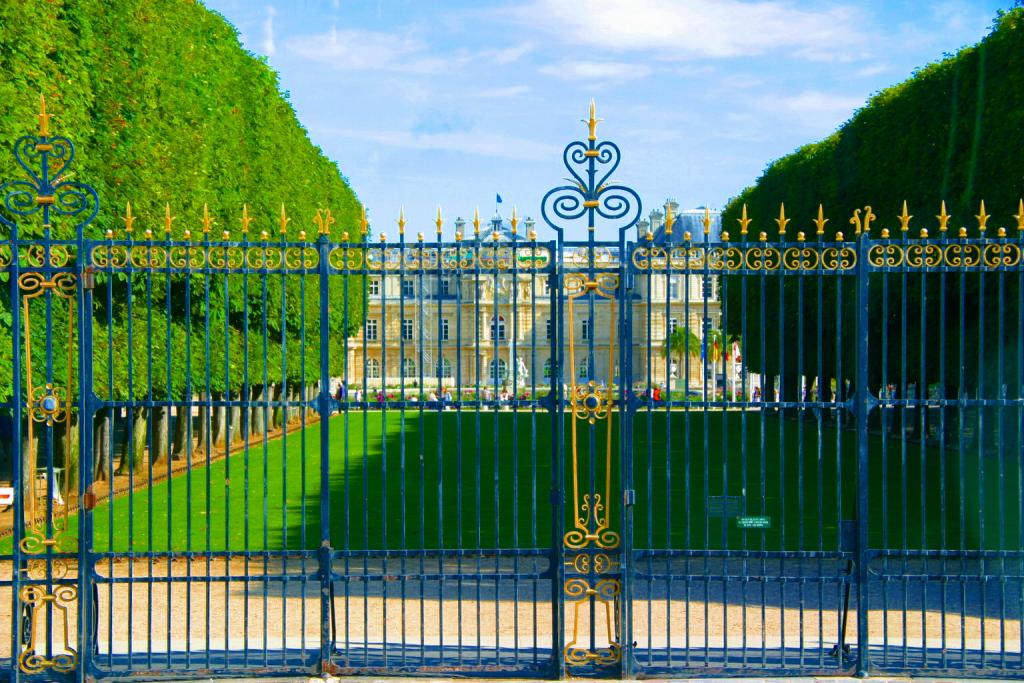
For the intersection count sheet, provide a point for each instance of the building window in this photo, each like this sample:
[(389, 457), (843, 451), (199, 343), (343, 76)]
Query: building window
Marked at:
[(547, 369), (444, 329), (407, 329), (547, 333), (547, 287), (498, 328), (408, 288), (586, 328), (673, 323), (582, 369), (444, 368), (372, 368), (673, 288), (409, 367), (499, 370), (371, 330), (373, 287), (446, 286)]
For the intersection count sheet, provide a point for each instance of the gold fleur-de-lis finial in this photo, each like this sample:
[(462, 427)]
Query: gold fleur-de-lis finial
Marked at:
[(439, 221), (868, 217), (245, 220), (401, 221), (1020, 216), (782, 221), (982, 218), (856, 222), (669, 218), (128, 218), (476, 222), (743, 221), (820, 221), (283, 221), (168, 218), (592, 121), (363, 223), (323, 220), (904, 218), (514, 220), (44, 118), (207, 219), (943, 218), (706, 221)]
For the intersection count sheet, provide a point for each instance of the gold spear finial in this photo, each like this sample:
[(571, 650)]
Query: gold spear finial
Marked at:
[(669, 218), (168, 218), (128, 218), (401, 221), (1020, 216), (245, 219), (44, 118), (363, 223), (283, 221), (820, 221), (476, 222), (207, 220), (782, 221), (707, 221), (439, 221), (904, 218), (514, 220), (943, 217), (982, 218), (743, 221), (592, 121)]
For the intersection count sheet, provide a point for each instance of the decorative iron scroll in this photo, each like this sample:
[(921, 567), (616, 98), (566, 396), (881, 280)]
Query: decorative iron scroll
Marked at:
[(37, 599), (752, 256), (606, 593)]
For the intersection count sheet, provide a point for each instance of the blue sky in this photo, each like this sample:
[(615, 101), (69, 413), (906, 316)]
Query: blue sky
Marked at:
[(426, 103)]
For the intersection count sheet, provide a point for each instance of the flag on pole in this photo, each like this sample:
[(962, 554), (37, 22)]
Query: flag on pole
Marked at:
[(497, 198)]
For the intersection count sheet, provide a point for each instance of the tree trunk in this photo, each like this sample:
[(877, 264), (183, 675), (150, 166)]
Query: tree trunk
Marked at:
[(161, 417), (218, 424), (101, 442), (277, 416), (133, 447), (204, 423), (259, 413), (235, 423), (182, 432)]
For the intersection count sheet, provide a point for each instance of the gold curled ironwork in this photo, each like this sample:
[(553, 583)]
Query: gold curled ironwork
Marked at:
[(36, 256), (37, 540), (886, 255), (54, 568), (606, 592), (342, 258), (589, 402), (147, 256), (801, 257), (601, 563), (38, 599), (6, 257)]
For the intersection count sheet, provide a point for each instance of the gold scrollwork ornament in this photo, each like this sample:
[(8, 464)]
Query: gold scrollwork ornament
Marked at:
[(37, 599)]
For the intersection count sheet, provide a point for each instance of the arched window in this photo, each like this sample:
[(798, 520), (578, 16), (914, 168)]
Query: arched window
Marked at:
[(498, 371), (409, 367), (372, 368), (498, 328), (444, 368)]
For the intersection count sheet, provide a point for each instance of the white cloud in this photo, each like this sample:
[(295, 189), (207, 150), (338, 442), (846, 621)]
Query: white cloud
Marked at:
[(508, 91), (818, 109), (357, 50), (595, 71), (268, 46), (470, 142), (686, 29)]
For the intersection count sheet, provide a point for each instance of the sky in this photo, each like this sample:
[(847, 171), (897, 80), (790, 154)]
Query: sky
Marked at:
[(429, 103)]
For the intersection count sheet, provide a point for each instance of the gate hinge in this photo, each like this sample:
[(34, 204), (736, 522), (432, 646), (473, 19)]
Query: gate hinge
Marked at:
[(629, 497)]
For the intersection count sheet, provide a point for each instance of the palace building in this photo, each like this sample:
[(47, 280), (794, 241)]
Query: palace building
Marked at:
[(495, 331)]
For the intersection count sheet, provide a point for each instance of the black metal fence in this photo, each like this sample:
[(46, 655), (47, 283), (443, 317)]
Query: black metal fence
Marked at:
[(679, 451)]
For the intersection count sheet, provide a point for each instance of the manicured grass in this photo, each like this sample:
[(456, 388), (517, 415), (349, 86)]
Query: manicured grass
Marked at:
[(483, 480)]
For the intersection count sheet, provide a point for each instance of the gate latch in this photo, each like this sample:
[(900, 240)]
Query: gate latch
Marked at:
[(629, 497)]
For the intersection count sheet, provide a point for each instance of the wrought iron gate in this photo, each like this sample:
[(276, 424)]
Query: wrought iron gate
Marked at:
[(249, 452)]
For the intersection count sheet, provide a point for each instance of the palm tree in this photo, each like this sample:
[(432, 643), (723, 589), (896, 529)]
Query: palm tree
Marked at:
[(682, 342)]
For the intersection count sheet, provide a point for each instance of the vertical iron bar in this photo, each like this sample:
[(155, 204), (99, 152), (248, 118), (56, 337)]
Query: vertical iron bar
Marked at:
[(862, 406), (323, 407)]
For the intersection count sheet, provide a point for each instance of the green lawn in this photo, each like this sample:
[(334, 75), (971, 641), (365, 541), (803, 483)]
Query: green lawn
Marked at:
[(483, 480)]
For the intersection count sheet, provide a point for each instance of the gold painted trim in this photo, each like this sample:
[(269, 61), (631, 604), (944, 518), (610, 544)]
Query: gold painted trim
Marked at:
[(38, 600)]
